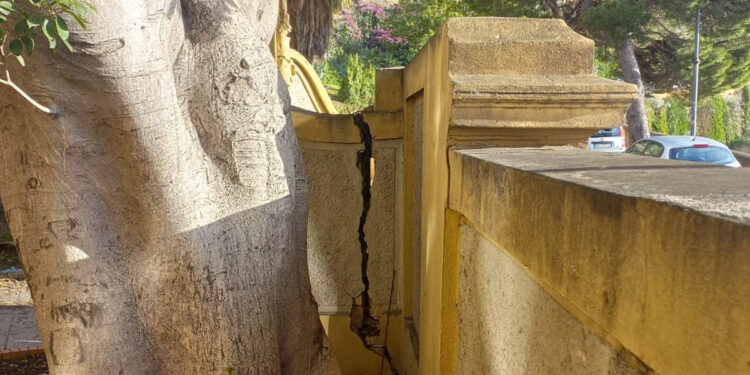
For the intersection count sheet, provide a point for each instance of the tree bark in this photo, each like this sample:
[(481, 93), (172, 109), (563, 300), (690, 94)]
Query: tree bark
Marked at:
[(161, 215), (636, 114), (555, 9)]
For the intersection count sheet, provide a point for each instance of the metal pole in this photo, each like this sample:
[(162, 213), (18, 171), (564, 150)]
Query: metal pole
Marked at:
[(696, 68)]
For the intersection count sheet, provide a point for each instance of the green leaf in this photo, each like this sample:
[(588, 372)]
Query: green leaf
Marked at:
[(79, 20), (70, 48), (79, 8), (2, 18), (34, 21), (49, 31), (29, 43), (91, 6), (21, 28), (62, 28), (8, 6), (16, 47), (21, 61)]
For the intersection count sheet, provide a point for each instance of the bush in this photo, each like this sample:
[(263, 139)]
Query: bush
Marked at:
[(358, 86), (362, 32), (662, 126), (738, 142), (417, 21), (380, 37), (605, 63), (732, 124), (330, 76), (657, 116), (746, 105), (718, 128), (677, 119), (651, 114)]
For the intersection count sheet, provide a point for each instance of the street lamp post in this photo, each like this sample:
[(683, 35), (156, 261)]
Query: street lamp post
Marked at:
[(696, 68)]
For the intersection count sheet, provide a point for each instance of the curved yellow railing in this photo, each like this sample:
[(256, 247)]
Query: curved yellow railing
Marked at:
[(312, 83)]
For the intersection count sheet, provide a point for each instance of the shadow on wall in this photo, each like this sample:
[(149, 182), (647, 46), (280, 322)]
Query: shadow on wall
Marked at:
[(353, 358)]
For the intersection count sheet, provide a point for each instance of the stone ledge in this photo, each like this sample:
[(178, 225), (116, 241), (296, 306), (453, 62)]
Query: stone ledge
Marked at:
[(652, 255), (319, 127), (517, 46)]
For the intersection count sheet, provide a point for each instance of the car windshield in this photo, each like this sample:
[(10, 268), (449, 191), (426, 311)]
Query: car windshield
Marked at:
[(613, 132), (715, 155), (637, 148)]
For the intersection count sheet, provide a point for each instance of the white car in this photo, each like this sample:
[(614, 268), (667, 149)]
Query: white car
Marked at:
[(687, 148), (608, 140)]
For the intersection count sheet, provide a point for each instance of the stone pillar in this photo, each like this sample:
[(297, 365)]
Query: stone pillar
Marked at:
[(484, 82)]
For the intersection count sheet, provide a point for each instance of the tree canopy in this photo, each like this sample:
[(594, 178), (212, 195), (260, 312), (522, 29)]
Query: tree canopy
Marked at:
[(662, 32), (666, 58)]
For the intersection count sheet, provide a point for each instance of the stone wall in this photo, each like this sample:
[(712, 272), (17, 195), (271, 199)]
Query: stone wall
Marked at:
[(650, 255), (335, 208), (517, 260), (329, 146), (510, 325)]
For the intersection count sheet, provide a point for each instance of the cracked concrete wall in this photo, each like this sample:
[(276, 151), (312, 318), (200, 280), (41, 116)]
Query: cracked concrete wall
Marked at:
[(335, 206), (508, 324)]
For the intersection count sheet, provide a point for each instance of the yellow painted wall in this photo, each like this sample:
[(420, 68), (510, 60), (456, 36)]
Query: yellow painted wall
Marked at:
[(651, 255), (477, 83)]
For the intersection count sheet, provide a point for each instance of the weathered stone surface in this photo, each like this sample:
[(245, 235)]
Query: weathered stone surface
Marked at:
[(389, 89), (300, 98), (335, 207), (652, 255), (333, 128), (508, 324), (518, 46), (492, 82)]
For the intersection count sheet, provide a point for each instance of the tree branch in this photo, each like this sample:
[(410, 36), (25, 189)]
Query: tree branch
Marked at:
[(556, 11), (8, 82), (581, 8), (26, 96)]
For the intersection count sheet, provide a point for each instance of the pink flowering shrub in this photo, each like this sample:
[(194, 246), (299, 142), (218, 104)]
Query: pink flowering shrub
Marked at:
[(379, 37), (365, 30)]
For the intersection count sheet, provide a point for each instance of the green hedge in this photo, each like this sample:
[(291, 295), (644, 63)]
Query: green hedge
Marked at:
[(718, 128), (358, 86), (678, 120)]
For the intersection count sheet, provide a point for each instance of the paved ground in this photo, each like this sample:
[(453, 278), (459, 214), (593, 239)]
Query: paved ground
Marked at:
[(18, 327)]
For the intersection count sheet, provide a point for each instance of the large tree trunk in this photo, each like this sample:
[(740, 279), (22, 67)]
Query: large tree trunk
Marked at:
[(161, 215), (636, 115)]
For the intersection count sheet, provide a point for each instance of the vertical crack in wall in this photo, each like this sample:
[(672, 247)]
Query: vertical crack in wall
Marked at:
[(362, 321)]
